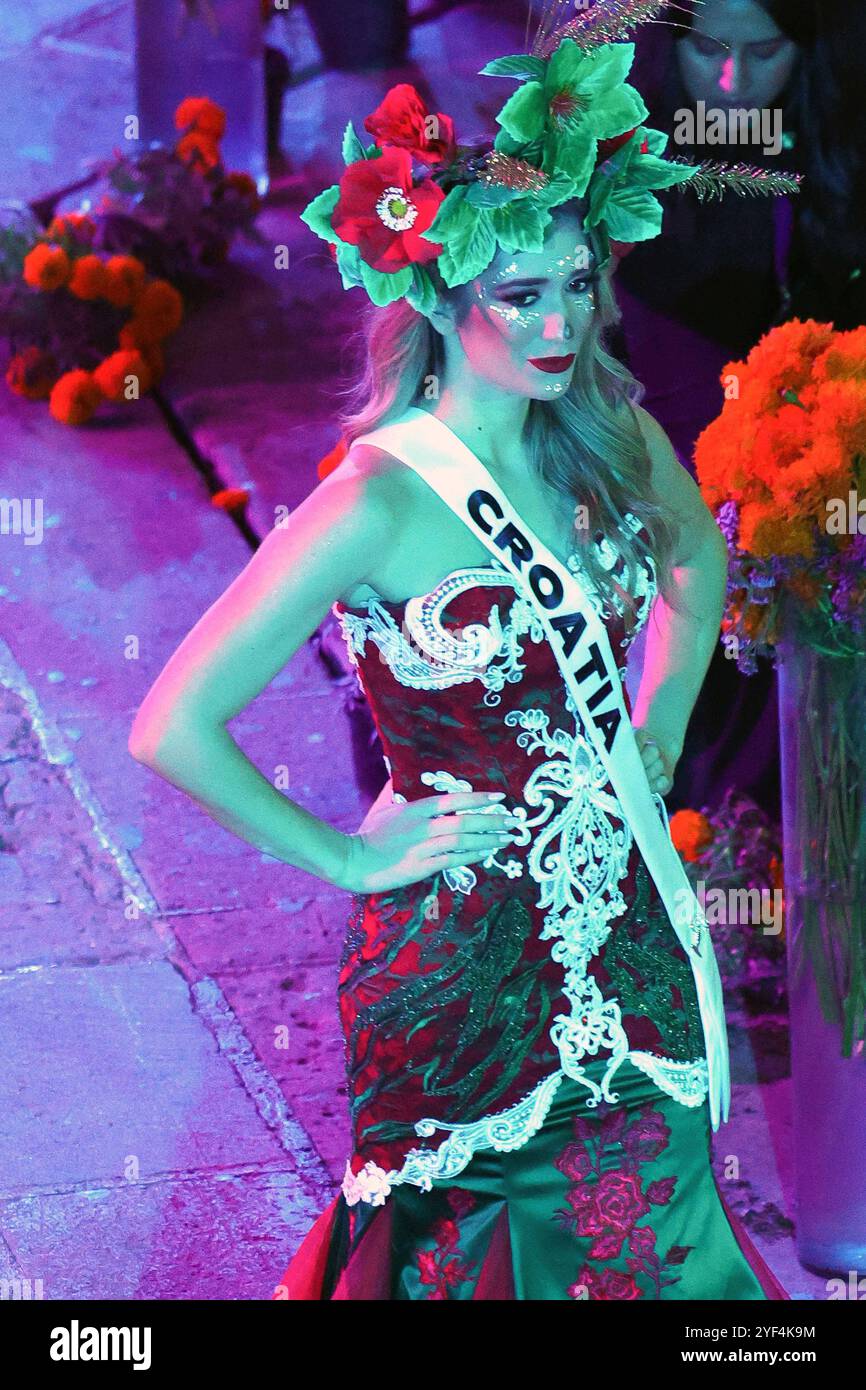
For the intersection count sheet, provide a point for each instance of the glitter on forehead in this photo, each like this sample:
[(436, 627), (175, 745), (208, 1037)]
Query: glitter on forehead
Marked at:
[(506, 270), (563, 265)]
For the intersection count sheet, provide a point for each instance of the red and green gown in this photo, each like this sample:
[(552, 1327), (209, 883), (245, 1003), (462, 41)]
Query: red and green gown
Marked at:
[(524, 1051)]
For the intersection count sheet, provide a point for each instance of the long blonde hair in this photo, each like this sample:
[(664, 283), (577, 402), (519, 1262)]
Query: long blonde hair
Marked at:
[(586, 444)]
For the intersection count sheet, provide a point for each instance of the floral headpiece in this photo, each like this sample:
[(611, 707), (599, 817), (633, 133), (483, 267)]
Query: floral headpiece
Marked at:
[(573, 129)]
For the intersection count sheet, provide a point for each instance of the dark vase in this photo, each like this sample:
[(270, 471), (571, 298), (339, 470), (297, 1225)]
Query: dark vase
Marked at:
[(822, 702)]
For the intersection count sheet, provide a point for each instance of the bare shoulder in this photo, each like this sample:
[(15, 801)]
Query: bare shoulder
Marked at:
[(385, 479), (659, 447), (673, 482)]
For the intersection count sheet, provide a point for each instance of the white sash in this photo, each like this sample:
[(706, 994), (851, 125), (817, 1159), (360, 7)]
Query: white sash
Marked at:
[(582, 649)]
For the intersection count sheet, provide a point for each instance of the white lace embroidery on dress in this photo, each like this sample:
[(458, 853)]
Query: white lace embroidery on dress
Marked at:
[(424, 655), (507, 1130)]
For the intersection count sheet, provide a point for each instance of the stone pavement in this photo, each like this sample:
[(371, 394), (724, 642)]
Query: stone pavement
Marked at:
[(173, 1100)]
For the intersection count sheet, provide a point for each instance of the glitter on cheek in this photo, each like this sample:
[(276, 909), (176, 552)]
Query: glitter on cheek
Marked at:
[(513, 315)]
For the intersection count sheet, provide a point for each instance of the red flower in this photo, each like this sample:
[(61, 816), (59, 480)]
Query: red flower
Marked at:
[(381, 213), (403, 119)]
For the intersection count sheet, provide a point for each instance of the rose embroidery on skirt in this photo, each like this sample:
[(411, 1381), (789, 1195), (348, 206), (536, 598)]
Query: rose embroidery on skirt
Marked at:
[(444, 1267), (608, 1209)]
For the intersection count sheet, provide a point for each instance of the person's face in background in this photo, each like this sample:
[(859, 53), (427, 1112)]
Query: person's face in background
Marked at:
[(735, 55)]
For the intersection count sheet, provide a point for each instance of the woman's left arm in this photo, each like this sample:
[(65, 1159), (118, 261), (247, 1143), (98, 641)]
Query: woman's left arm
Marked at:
[(679, 642)]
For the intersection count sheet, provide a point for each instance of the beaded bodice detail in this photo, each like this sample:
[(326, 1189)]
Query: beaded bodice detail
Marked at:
[(468, 996)]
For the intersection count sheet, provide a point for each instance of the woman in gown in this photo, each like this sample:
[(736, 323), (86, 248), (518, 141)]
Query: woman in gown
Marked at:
[(535, 1054)]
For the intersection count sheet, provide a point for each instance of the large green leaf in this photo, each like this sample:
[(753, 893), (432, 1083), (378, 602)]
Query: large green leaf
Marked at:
[(566, 67), (452, 212), (521, 226), (611, 173), (559, 189), (633, 214), (524, 114), (317, 214), (646, 171), (349, 265), (469, 249), (614, 112), (383, 288), (656, 140), (422, 292), (573, 155), (602, 70), (491, 195), (522, 65), (353, 150), (506, 144)]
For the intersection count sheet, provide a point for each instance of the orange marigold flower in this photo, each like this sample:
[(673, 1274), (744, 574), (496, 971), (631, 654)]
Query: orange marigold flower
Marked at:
[(331, 460), (805, 586), (799, 339), (73, 224), (201, 114), (763, 532), (231, 499), (125, 277), (719, 460), (134, 336), (158, 312), (88, 278), (198, 148), (691, 833), (823, 471), (112, 376), (74, 397), (32, 373), (840, 408), (844, 358), (46, 267)]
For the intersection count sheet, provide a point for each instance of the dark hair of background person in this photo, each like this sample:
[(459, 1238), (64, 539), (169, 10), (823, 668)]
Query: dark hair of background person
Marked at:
[(826, 110)]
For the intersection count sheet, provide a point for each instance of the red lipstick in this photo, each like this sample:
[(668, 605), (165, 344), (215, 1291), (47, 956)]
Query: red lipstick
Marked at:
[(552, 364)]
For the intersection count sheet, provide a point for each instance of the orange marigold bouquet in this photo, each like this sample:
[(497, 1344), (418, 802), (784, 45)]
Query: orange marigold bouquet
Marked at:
[(783, 469), (88, 301)]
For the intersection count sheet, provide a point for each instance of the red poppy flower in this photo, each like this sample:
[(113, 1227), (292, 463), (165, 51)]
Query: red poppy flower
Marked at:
[(403, 119), (381, 213)]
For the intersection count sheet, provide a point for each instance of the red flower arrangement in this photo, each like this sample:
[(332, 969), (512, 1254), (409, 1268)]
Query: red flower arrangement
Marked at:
[(403, 121), (382, 212)]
